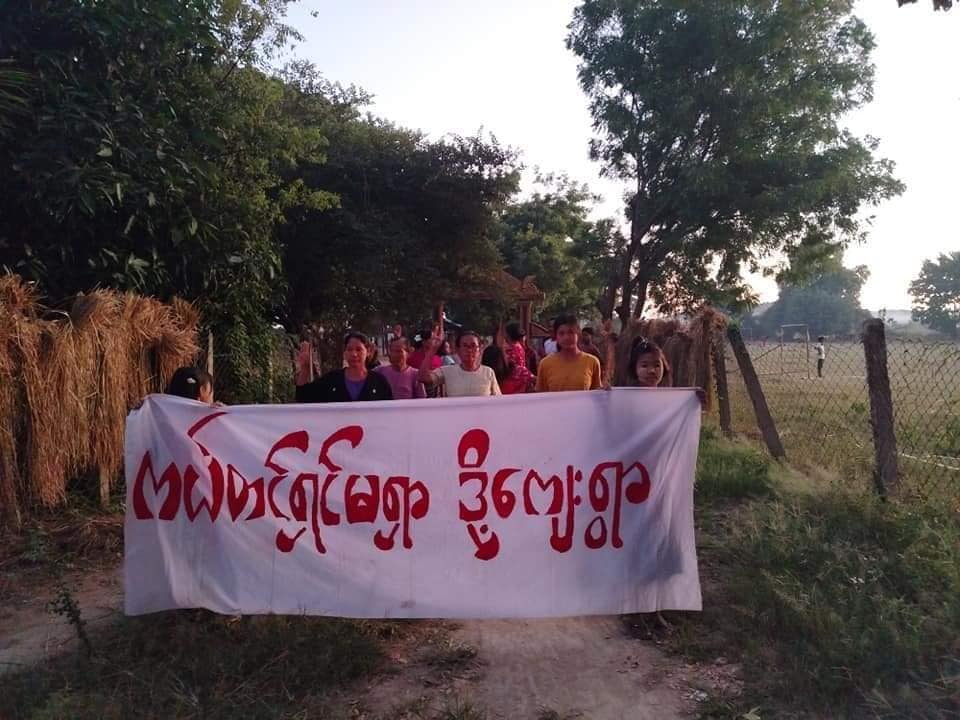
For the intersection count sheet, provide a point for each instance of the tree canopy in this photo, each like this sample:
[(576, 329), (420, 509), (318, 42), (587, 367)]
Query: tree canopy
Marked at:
[(551, 236), (724, 118), (154, 147), (824, 295), (936, 294)]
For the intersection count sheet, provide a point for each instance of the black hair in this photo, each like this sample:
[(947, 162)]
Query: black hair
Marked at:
[(642, 346), (820, 338), (467, 333), (564, 320), (355, 335), (495, 359), (398, 338), (587, 331), (515, 332), (187, 382)]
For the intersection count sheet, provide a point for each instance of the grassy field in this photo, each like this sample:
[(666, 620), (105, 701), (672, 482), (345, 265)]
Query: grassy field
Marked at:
[(824, 422), (835, 603)]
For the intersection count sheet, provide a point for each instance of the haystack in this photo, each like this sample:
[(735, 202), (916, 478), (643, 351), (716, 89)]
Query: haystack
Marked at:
[(686, 343), (68, 380)]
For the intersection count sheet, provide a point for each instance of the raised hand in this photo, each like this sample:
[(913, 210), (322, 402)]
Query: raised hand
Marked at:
[(304, 363)]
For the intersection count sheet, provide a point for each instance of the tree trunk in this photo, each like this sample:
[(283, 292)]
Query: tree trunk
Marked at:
[(642, 285)]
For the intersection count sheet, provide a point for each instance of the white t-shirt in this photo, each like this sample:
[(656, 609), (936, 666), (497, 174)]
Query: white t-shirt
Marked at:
[(550, 346), (821, 351), (467, 383)]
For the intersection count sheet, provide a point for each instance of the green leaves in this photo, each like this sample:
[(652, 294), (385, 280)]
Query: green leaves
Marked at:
[(724, 118), (936, 294)]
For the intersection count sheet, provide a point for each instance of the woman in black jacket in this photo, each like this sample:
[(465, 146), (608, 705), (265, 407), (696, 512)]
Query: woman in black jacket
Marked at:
[(354, 382)]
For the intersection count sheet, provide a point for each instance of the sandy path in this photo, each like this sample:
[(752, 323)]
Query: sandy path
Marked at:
[(567, 668), (575, 665), (30, 633), (583, 667)]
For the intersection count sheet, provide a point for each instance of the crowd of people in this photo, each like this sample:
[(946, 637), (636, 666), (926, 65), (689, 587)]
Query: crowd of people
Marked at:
[(428, 367)]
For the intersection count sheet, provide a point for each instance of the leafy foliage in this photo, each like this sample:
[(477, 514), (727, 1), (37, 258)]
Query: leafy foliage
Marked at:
[(724, 118), (825, 297), (936, 294), (550, 236), (415, 222), (149, 157)]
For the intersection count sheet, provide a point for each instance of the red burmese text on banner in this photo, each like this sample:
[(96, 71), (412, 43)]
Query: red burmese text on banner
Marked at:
[(303, 497)]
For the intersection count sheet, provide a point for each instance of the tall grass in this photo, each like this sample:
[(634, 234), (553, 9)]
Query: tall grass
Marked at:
[(833, 600), (195, 664)]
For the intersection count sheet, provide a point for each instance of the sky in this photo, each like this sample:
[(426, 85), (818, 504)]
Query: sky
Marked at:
[(459, 66)]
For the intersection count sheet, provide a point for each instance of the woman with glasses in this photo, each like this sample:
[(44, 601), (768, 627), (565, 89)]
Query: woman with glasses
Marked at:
[(469, 378)]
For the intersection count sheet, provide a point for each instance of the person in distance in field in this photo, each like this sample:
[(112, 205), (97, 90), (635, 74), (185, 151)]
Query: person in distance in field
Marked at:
[(469, 378), (402, 378), (191, 383), (569, 368), (353, 382)]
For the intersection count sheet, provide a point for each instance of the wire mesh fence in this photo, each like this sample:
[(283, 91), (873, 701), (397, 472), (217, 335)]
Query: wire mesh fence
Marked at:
[(823, 415)]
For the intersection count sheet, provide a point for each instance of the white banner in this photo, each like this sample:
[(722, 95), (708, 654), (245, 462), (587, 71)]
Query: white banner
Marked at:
[(517, 506)]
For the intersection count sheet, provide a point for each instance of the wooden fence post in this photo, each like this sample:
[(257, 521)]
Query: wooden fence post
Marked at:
[(210, 352), (103, 476), (764, 419), (885, 471), (723, 392)]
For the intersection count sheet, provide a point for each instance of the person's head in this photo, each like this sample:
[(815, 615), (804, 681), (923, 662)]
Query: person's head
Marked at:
[(820, 338), (468, 348), (515, 333), (191, 383), (444, 349), (648, 366), (355, 350), (586, 336), (373, 355), (495, 359), (566, 329), (398, 351)]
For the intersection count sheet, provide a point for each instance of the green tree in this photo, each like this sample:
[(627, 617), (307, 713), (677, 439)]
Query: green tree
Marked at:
[(724, 117), (149, 155), (415, 222), (550, 236), (824, 294), (936, 294)]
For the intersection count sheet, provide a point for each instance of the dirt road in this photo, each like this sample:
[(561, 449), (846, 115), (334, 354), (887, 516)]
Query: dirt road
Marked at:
[(562, 669)]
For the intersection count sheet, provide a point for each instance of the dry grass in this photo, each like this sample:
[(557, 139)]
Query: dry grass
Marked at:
[(687, 345), (68, 380), (825, 422)]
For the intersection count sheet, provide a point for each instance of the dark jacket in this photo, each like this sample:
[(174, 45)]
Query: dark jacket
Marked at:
[(332, 387)]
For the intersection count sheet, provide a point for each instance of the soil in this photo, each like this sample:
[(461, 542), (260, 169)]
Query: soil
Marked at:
[(586, 667)]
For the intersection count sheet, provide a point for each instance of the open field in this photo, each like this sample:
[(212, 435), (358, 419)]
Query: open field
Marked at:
[(825, 422)]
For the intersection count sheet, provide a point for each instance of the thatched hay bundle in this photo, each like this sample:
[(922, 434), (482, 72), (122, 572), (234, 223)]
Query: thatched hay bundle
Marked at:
[(68, 380), (11, 485), (687, 345)]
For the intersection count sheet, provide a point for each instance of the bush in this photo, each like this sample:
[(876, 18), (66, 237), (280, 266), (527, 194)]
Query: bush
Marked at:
[(728, 470)]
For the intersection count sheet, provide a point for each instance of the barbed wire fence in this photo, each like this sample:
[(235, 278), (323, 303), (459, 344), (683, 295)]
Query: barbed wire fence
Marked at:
[(883, 410)]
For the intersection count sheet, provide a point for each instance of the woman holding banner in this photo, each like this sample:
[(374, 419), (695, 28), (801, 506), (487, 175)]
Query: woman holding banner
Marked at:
[(348, 384)]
